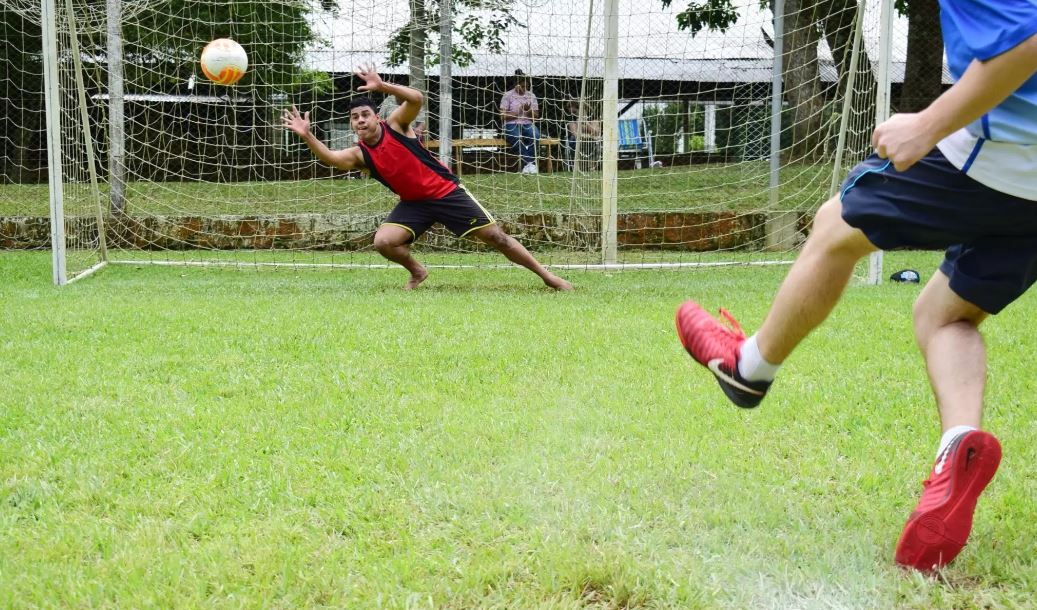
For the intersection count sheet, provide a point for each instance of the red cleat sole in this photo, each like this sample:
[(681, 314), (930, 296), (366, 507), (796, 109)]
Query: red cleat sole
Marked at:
[(933, 538)]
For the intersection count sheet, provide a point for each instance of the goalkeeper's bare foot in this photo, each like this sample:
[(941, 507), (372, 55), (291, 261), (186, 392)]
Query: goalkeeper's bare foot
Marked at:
[(416, 279), (557, 283)]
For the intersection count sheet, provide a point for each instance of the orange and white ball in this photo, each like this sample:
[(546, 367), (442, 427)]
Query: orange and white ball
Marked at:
[(224, 61)]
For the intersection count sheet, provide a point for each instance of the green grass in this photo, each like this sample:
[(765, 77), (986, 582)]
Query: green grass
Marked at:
[(192, 438), (740, 187)]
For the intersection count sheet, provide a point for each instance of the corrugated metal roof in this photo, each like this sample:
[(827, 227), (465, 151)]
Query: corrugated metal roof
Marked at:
[(555, 38)]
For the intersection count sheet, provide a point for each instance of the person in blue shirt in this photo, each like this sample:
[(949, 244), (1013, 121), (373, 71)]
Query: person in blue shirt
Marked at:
[(962, 176)]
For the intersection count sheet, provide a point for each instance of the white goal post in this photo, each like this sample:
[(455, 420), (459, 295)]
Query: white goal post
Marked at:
[(657, 147)]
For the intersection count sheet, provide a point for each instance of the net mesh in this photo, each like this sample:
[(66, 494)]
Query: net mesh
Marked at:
[(194, 172)]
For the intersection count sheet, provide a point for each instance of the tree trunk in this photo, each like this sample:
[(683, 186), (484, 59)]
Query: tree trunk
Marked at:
[(923, 75), (839, 25), (416, 59), (802, 78)]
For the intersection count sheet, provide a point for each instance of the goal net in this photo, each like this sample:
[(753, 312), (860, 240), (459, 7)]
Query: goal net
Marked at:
[(663, 138)]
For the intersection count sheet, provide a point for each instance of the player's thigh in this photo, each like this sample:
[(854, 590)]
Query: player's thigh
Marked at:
[(938, 305), (992, 272), (931, 205), (405, 223)]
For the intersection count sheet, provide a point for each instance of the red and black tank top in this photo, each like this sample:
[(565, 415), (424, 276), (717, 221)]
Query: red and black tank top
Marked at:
[(407, 167)]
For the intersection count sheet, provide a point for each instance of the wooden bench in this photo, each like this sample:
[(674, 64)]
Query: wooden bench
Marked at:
[(548, 145)]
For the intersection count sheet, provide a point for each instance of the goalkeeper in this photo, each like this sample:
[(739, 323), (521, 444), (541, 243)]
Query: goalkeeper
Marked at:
[(429, 192)]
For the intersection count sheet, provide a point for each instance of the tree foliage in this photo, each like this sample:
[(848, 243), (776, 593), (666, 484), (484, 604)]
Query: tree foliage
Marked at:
[(478, 24), (162, 43), (667, 123), (924, 64), (21, 103), (809, 21), (706, 15), (163, 40), (20, 47)]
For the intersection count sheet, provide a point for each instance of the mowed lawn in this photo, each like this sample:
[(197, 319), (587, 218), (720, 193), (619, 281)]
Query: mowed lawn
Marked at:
[(736, 187), (191, 438)]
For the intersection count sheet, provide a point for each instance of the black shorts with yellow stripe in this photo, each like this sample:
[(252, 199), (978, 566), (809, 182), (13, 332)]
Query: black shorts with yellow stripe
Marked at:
[(458, 211)]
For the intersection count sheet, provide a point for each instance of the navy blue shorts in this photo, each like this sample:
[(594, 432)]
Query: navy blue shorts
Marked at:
[(990, 237), (457, 211)]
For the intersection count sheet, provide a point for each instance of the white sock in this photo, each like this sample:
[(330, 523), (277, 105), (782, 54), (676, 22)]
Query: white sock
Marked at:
[(950, 435), (752, 366)]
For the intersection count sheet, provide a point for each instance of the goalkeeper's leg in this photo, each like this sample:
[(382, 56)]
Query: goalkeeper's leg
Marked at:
[(393, 242), (517, 253)]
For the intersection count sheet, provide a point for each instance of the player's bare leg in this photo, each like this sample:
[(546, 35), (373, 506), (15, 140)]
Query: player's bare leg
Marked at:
[(947, 331), (806, 297), (391, 241), (517, 253), (814, 284)]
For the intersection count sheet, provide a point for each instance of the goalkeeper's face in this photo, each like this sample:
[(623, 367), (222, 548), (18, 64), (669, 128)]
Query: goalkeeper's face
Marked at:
[(364, 122)]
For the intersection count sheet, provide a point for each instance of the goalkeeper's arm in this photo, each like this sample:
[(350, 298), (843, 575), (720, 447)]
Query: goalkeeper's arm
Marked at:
[(299, 123)]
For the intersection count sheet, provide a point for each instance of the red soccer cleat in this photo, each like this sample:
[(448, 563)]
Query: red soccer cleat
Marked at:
[(940, 525), (715, 346)]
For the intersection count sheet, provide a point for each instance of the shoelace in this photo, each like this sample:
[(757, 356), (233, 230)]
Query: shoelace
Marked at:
[(732, 325), (723, 332)]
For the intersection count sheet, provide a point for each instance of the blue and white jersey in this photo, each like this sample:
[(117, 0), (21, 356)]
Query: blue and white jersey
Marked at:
[(1000, 149)]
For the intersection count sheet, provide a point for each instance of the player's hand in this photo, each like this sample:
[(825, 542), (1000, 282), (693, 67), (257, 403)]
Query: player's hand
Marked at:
[(903, 139), (292, 120), (368, 74), (526, 107)]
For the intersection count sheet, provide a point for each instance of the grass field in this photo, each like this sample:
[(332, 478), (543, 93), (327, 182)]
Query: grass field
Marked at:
[(191, 438), (738, 187)]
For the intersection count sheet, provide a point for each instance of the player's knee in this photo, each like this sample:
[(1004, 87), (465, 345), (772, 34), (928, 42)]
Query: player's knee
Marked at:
[(496, 237), (922, 322), (828, 217), (383, 243), (831, 233), (933, 310)]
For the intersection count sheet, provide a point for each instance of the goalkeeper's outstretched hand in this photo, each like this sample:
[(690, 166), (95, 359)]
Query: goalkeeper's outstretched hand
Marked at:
[(368, 74), (295, 121)]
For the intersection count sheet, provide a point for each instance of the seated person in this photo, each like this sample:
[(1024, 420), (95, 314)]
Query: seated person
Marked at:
[(581, 127), (519, 109)]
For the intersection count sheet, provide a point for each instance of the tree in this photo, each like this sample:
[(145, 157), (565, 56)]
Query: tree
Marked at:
[(161, 44), (802, 78), (667, 124), (21, 103), (923, 74), (805, 22), (802, 82), (416, 45), (483, 25)]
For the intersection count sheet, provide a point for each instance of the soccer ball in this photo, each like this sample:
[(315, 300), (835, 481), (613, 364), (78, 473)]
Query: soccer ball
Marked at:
[(224, 61)]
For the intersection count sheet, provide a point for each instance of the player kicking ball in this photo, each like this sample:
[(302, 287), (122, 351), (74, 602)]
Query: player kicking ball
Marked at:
[(429, 192), (962, 176)]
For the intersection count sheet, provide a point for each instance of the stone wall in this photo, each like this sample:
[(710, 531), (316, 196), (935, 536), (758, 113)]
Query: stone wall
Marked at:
[(701, 231)]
